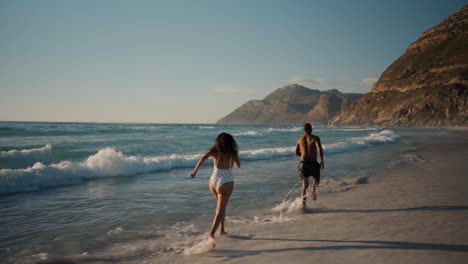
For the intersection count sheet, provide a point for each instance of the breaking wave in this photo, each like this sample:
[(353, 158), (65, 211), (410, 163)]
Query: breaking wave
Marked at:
[(357, 143), (248, 133), (109, 162), (27, 157)]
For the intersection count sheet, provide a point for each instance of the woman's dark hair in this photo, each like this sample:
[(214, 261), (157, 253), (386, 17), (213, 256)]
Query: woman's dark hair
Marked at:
[(225, 143)]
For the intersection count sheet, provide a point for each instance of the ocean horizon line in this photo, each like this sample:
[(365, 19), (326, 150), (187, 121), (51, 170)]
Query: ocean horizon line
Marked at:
[(147, 123)]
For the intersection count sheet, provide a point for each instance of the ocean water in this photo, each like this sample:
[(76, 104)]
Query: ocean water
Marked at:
[(122, 192)]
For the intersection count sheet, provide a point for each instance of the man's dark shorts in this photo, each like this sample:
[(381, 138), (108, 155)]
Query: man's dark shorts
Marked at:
[(309, 168)]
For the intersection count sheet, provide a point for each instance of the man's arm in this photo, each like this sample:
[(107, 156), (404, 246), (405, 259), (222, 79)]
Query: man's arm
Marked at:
[(320, 150), (297, 151)]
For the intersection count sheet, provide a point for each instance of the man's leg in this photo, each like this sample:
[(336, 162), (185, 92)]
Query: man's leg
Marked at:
[(314, 194), (305, 185)]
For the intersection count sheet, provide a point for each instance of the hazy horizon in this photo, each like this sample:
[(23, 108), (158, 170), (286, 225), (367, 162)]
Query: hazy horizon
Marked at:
[(192, 62)]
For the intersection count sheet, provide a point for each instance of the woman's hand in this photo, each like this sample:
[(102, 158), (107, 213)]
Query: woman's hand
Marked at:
[(200, 162)]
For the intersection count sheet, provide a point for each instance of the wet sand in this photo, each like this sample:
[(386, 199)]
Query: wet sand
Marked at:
[(416, 212)]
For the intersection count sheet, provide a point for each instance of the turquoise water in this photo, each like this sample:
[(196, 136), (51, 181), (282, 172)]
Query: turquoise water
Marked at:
[(71, 189)]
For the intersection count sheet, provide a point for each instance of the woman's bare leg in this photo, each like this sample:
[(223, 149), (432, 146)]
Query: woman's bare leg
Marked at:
[(214, 192), (224, 193), (222, 231)]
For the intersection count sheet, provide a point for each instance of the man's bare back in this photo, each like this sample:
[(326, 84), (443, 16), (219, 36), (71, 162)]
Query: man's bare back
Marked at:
[(308, 146)]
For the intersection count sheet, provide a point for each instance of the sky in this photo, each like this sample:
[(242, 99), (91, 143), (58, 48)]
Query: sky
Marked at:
[(192, 61)]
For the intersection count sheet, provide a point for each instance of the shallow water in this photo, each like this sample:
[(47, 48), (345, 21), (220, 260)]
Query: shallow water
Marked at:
[(123, 191)]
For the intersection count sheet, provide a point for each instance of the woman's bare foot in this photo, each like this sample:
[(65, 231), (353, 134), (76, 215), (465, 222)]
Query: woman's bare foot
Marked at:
[(223, 233), (213, 242)]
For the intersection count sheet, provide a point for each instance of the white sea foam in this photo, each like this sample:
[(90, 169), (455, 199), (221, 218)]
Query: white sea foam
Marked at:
[(408, 158), (206, 127), (271, 219), (286, 130), (41, 256), (130, 248), (348, 129), (385, 136), (115, 231), (108, 162), (248, 133), (27, 157), (356, 143), (289, 206), (333, 185), (184, 229), (202, 246), (414, 158), (147, 129), (266, 153)]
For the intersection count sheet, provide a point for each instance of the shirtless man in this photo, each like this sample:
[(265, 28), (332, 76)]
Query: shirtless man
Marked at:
[(306, 147)]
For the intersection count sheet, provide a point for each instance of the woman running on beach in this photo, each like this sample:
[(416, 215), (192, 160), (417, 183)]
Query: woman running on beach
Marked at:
[(225, 155)]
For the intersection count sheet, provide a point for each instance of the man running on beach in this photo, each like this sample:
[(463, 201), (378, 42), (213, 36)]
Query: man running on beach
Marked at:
[(306, 147)]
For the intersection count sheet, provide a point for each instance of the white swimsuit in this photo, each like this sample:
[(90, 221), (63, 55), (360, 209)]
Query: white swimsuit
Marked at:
[(220, 176)]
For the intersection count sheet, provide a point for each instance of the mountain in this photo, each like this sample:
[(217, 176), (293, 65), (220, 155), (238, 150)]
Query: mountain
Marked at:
[(426, 86), (292, 104)]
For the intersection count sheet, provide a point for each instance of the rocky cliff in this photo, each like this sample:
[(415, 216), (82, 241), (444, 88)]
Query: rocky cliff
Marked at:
[(292, 104), (427, 85)]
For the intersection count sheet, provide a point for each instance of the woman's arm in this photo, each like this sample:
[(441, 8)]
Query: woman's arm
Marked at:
[(200, 162), (237, 160)]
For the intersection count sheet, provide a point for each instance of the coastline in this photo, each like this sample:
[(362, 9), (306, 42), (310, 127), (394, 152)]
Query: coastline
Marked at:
[(415, 212)]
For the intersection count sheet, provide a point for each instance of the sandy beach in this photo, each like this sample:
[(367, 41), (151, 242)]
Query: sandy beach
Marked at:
[(415, 212)]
